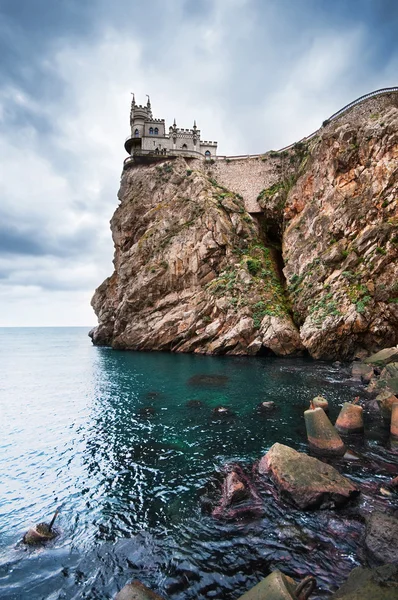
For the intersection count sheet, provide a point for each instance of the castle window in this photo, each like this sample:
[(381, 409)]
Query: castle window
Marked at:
[(184, 147), (156, 131), (151, 131), (207, 154), (136, 133)]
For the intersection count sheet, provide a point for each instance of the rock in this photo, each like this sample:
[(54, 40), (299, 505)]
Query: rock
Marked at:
[(385, 400), (136, 591), (222, 412), (147, 412), (305, 480), (370, 584), (194, 404), (266, 407), (234, 489), (383, 358), (381, 538), (394, 483), (280, 335), (362, 372), (208, 380)]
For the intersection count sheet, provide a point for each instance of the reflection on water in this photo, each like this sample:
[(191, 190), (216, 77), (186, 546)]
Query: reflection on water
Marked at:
[(125, 443)]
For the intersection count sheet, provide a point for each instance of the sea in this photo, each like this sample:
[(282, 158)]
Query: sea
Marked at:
[(131, 450)]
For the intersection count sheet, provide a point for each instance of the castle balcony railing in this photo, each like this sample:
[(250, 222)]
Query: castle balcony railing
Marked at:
[(147, 156), (334, 116)]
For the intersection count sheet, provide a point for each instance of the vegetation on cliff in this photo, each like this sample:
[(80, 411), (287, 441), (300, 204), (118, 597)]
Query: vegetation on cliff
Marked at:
[(195, 272)]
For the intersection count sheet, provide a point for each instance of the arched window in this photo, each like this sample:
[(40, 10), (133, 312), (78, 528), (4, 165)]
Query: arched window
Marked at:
[(184, 147), (151, 131), (207, 154), (136, 133), (156, 131)]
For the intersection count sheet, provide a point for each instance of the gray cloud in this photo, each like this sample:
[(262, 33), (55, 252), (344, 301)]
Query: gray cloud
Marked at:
[(254, 74)]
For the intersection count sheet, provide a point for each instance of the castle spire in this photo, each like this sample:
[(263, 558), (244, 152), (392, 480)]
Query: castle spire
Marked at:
[(148, 105), (194, 124), (132, 109)]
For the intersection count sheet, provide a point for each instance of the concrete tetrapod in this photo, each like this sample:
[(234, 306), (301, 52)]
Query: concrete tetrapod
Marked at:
[(320, 402), (323, 439), (42, 532), (350, 419), (394, 425), (278, 586)]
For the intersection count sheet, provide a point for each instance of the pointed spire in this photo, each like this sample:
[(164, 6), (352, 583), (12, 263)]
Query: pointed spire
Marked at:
[(194, 124), (174, 124), (133, 99)]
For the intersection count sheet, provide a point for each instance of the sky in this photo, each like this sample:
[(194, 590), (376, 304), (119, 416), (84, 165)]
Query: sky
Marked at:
[(255, 74)]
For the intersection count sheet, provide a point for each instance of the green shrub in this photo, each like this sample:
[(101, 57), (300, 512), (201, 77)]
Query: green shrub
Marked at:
[(189, 172), (381, 250), (253, 265)]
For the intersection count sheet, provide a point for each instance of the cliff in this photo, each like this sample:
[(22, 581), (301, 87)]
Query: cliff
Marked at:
[(284, 252)]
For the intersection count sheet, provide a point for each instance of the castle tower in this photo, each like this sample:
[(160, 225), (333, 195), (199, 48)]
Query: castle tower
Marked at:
[(148, 136)]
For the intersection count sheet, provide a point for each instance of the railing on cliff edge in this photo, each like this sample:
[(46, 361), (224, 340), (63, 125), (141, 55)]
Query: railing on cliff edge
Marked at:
[(195, 154), (334, 116)]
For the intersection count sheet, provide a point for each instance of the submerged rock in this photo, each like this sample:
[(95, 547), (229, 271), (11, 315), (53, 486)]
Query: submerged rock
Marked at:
[(237, 489), (195, 404), (381, 538), (208, 380), (370, 584), (362, 372), (305, 480), (266, 407), (222, 412)]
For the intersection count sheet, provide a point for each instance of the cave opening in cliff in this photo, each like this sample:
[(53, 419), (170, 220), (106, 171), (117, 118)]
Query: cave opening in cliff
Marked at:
[(271, 236)]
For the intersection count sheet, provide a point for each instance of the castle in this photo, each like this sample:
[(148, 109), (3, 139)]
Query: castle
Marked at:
[(149, 140)]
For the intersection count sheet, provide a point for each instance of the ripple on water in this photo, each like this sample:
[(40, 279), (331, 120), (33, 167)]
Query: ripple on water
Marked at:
[(127, 443)]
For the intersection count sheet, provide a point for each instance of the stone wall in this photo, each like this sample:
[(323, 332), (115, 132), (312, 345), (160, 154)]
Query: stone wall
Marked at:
[(246, 176)]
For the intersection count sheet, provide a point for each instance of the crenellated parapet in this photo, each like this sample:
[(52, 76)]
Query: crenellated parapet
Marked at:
[(148, 136)]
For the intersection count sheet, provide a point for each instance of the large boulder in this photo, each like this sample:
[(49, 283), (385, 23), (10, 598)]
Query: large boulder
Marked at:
[(362, 372), (305, 480), (370, 584), (381, 539), (383, 358)]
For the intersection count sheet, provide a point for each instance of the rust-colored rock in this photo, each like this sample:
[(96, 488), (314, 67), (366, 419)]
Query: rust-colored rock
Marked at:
[(305, 480)]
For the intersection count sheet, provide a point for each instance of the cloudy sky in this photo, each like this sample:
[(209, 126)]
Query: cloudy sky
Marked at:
[(255, 74)]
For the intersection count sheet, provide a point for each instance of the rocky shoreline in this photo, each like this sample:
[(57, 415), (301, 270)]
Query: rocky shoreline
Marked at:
[(306, 483)]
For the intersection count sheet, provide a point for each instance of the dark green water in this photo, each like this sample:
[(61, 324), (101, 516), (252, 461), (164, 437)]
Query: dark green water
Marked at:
[(108, 437)]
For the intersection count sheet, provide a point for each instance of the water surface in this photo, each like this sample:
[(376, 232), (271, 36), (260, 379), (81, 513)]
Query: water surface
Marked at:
[(108, 437)]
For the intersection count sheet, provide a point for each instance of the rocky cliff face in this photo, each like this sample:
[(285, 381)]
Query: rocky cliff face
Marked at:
[(317, 270)]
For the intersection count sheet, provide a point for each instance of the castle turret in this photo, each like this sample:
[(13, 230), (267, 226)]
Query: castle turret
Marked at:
[(148, 136)]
